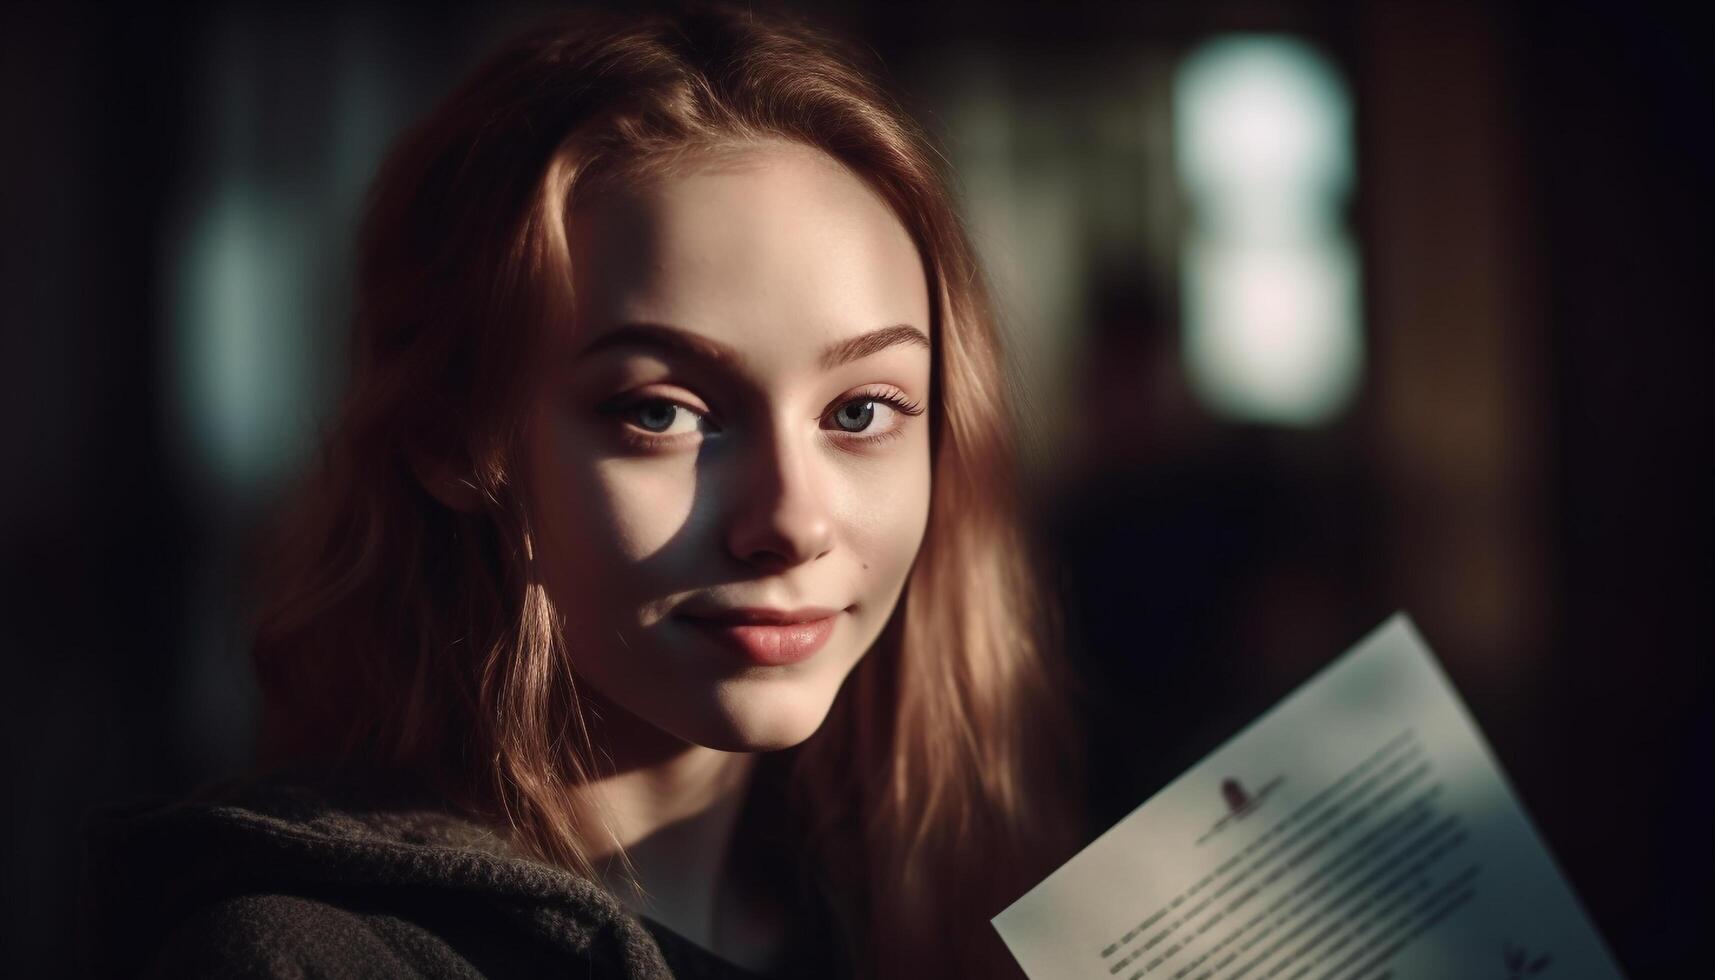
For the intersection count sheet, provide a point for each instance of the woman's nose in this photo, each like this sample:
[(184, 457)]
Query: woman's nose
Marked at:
[(780, 517)]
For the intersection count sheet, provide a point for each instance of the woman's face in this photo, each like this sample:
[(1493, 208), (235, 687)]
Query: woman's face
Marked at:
[(733, 423)]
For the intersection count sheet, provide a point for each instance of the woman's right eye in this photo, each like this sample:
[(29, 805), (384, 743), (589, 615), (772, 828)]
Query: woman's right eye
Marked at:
[(658, 417)]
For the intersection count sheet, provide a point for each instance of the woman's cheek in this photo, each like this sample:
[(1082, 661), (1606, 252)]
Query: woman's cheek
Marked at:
[(647, 503), (601, 512), (885, 504)]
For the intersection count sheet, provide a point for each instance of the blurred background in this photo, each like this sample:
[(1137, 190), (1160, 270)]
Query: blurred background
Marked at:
[(1317, 311)]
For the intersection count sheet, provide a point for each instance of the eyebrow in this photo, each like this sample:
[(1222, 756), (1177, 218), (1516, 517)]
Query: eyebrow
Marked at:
[(659, 336)]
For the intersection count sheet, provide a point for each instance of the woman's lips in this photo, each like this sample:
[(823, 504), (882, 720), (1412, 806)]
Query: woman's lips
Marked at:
[(769, 645)]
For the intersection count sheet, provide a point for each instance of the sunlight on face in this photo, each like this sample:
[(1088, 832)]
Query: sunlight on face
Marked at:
[(736, 417)]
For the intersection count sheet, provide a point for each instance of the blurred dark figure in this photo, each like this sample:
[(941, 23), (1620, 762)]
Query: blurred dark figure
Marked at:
[(1207, 568)]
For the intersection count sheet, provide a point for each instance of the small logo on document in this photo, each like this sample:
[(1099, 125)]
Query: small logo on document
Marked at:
[(1240, 803), (1520, 963)]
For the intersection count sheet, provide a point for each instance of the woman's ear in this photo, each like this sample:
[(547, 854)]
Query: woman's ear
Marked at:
[(448, 484)]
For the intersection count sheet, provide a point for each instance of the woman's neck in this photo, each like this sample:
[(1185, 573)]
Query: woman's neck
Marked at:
[(673, 807), (675, 821)]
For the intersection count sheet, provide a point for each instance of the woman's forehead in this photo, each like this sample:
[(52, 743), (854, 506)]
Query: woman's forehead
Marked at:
[(778, 245)]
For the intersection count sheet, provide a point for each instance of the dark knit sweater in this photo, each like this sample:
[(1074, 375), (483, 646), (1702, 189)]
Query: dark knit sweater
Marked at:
[(274, 878)]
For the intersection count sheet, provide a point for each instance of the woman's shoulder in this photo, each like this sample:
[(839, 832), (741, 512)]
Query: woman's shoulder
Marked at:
[(276, 876), (295, 936)]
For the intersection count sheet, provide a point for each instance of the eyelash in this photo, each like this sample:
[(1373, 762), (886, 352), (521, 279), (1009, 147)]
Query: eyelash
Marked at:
[(892, 398)]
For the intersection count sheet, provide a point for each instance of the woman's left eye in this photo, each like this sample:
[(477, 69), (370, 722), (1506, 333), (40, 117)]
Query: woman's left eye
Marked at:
[(858, 415), (855, 415)]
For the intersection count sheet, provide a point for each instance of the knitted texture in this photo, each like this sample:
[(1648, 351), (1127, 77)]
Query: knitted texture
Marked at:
[(266, 878)]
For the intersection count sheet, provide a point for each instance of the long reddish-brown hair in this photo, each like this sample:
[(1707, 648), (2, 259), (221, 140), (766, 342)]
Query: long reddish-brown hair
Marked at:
[(395, 630)]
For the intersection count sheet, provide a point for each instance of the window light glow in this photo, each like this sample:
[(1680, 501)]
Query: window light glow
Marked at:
[(1262, 129)]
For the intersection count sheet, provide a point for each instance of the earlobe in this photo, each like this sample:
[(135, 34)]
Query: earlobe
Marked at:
[(447, 484)]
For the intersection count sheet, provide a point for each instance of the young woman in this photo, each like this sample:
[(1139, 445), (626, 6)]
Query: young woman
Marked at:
[(659, 604)]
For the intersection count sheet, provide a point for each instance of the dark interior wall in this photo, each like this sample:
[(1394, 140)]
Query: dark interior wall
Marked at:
[(1607, 734), (97, 540), (1615, 103)]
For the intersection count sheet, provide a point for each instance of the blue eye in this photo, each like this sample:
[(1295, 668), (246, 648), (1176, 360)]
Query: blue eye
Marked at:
[(855, 420), (657, 417)]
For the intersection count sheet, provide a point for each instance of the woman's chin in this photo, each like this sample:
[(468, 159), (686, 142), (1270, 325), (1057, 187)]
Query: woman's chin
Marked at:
[(761, 723)]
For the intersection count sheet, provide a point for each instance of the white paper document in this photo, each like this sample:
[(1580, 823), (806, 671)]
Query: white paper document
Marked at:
[(1359, 829)]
